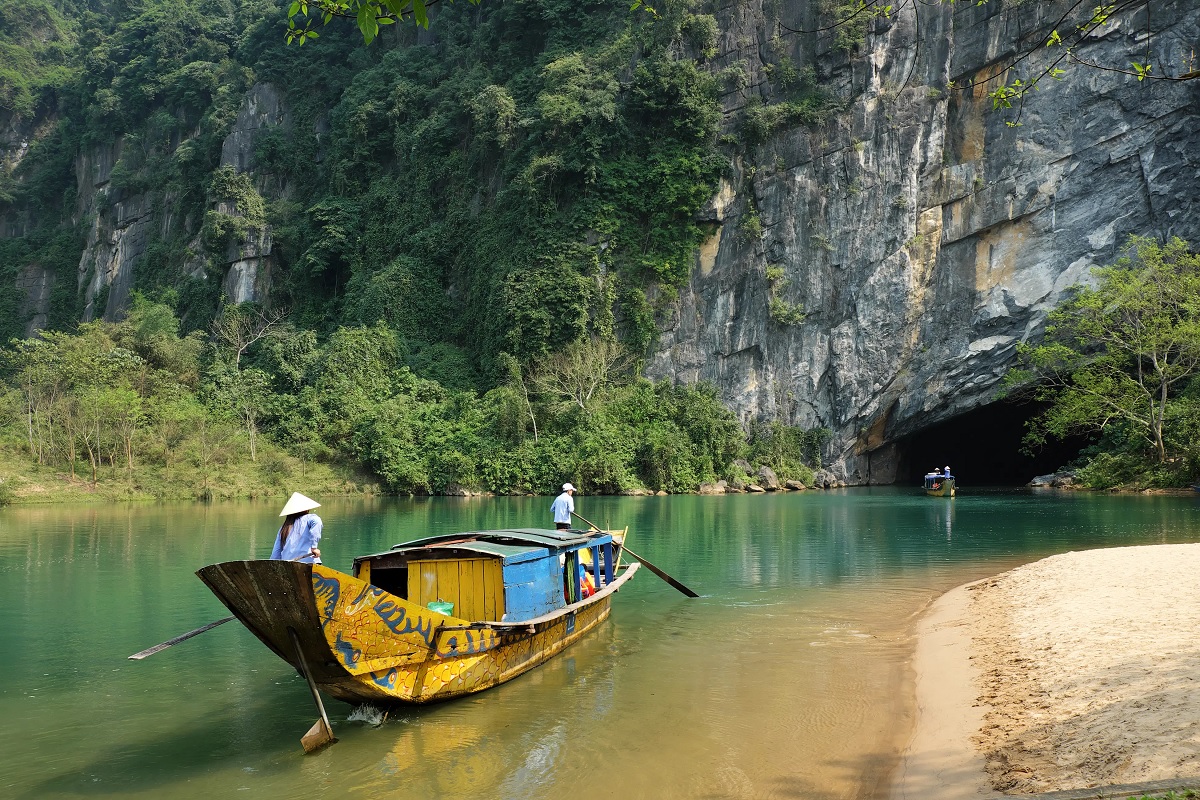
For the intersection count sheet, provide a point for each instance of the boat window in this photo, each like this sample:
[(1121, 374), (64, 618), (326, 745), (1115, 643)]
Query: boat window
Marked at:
[(393, 580)]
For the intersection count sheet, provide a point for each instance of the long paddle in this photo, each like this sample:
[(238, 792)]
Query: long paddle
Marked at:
[(149, 651), (674, 583), (152, 650)]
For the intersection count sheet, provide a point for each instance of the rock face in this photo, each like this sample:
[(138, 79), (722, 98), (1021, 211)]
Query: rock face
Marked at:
[(249, 263), (122, 222), (920, 236)]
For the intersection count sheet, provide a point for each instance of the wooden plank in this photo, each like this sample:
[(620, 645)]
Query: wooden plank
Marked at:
[(479, 582), (494, 583), (447, 583), (465, 608), (427, 581), (414, 581)]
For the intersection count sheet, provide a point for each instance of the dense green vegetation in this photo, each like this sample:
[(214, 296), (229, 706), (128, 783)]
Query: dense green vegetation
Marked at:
[(457, 226), (1121, 362), (135, 405)]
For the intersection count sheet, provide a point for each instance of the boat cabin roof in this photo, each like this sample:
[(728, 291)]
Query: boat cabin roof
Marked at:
[(542, 537), (511, 546)]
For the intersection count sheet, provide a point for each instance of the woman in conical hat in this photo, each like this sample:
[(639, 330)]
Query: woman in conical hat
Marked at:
[(300, 533)]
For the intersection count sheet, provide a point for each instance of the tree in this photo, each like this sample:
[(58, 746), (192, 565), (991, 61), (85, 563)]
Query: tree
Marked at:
[(251, 393), (175, 416), (581, 369), (242, 325), (1120, 352), (517, 387)]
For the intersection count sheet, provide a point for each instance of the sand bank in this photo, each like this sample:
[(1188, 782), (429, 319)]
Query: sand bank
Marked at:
[(1081, 670)]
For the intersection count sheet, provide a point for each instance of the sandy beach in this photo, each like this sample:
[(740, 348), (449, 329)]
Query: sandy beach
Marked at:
[(1078, 671)]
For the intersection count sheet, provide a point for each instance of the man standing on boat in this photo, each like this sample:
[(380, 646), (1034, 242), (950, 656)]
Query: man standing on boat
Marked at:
[(563, 507), (300, 533)]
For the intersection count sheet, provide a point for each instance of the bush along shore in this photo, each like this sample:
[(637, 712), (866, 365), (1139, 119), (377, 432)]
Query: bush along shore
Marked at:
[(134, 410)]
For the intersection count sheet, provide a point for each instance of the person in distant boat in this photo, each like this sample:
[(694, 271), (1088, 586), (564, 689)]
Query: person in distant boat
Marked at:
[(300, 533), (563, 507), (947, 470)]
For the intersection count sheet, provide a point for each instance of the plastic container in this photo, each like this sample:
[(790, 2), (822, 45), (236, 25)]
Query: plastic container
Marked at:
[(442, 607)]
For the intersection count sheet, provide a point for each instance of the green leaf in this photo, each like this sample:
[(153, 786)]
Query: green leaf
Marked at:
[(367, 23), (419, 13)]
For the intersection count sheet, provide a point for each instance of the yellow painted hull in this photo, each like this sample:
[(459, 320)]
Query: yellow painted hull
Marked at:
[(364, 645)]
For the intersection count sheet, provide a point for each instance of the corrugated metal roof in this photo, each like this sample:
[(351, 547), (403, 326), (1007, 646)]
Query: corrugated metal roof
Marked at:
[(533, 536), (509, 554)]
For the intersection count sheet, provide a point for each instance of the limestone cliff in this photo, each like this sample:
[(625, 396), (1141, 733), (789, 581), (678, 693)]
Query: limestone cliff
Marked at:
[(119, 221), (908, 245)]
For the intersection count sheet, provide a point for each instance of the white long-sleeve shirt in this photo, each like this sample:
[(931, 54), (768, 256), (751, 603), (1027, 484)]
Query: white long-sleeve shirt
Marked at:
[(305, 535)]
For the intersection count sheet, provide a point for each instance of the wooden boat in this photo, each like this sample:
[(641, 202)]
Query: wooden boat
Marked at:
[(939, 484), (503, 602)]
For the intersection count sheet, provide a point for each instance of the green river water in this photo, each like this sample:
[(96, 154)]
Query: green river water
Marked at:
[(789, 678)]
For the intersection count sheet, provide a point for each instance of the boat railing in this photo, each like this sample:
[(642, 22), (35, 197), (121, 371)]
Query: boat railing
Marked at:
[(627, 572)]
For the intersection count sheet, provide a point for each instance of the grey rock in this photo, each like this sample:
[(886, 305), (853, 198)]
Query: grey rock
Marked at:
[(923, 238), (1058, 480), (767, 478)]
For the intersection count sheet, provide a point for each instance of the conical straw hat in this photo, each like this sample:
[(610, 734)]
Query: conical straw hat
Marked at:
[(297, 503)]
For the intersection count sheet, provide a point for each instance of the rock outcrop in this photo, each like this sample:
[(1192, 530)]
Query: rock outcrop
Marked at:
[(122, 221), (920, 236)]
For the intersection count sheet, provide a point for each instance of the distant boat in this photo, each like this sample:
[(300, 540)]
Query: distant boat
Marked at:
[(939, 484), (431, 619)]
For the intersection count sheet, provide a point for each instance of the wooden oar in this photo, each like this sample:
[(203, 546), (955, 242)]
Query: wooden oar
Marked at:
[(321, 733), (184, 637), (674, 583)]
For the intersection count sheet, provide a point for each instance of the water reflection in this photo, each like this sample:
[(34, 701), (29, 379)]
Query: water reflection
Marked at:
[(785, 679)]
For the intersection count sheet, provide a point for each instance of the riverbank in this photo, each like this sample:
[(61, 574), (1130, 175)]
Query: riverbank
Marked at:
[(1077, 671), (275, 474)]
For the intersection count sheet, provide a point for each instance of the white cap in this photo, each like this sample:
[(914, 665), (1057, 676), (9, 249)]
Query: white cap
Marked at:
[(568, 487), (297, 503)]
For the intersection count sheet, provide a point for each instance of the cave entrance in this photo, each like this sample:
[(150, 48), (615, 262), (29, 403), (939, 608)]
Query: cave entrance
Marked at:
[(983, 448)]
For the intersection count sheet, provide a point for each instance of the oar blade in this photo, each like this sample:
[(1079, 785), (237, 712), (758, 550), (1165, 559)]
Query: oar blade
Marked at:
[(317, 737), (674, 583)]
